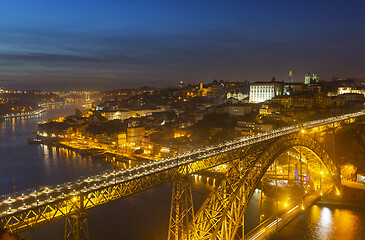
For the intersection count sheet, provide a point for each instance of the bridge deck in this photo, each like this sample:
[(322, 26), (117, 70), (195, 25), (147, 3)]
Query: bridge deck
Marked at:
[(32, 208)]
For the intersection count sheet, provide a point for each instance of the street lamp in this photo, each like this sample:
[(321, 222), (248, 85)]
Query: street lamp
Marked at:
[(36, 189), (320, 186), (115, 175), (14, 176)]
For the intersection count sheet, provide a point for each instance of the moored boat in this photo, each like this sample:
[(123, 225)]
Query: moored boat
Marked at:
[(34, 141)]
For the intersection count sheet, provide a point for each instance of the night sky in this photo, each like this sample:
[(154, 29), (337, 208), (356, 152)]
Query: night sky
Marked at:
[(54, 44)]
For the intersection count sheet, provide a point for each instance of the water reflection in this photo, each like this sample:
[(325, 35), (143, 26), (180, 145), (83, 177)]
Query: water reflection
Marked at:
[(327, 223), (324, 227), (347, 224), (122, 218), (38, 161)]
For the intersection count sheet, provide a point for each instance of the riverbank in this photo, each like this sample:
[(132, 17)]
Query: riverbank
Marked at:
[(52, 104), (25, 114), (97, 153), (272, 225), (349, 198), (333, 217)]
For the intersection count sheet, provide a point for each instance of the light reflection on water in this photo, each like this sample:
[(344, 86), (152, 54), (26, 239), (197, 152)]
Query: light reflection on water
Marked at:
[(147, 212), (326, 223), (45, 164), (324, 227)]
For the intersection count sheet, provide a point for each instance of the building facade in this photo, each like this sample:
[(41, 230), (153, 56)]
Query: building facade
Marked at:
[(113, 115), (311, 78), (250, 128), (239, 96), (135, 135), (239, 109), (344, 90), (263, 91)]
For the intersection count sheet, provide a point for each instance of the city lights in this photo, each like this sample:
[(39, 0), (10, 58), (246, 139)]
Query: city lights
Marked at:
[(145, 153)]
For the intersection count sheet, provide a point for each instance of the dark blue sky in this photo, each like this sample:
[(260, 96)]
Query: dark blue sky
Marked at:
[(116, 44)]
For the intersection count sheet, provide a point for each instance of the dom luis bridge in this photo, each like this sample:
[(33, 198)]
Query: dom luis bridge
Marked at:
[(293, 165)]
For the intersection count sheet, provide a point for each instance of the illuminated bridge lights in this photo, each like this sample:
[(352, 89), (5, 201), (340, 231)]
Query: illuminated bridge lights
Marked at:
[(135, 178), (292, 209)]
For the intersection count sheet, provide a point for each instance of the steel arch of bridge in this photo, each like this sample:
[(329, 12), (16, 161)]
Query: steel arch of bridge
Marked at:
[(58, 208), (232, 190), (221, 215)]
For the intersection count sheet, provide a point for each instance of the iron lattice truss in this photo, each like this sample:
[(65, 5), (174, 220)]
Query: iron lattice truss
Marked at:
[(23, 220), (182, 210), (77, 227), (220, 216)]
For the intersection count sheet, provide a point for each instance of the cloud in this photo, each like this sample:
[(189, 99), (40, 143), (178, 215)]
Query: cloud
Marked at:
[(55, 57)]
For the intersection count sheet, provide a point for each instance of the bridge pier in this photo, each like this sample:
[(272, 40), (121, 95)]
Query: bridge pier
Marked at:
[(182, 211), (221, 215), (76, 225), (247, 160)]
